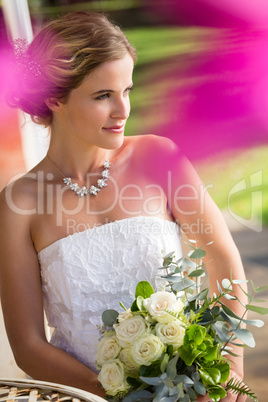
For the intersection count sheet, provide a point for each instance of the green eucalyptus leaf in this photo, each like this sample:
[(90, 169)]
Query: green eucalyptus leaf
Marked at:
[(191, 393), (253, 286), (183, 379), (185, 398), (172, 279), (161, 391), (199, 388), (168, 383), (258, 300), (221, 329), (226, 284), (219, 287), (151, 380), (174, 392), (196, 273), (197, 253), (215, 310), (169, 255), (229, 297), (183, 284), (138, 395), (195, 376), (261, 289), (245, 336), (178, 270), (206, 317), (172, 367), (231, 353), (251, 298), (186, 262), (191, 241), (203, 294), (232, 321), (257, 309), (239, 281), (199, 296), (109, 317), (255, 323), (164, 363), (180, 390), (144, 289), (229, 312)]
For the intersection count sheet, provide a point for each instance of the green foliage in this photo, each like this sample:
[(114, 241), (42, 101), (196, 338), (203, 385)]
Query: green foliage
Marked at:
[(144, 289), (238, 387), (109, 317), (198, 366)]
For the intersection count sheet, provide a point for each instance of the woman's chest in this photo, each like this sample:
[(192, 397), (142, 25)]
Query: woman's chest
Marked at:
[(61, 212)]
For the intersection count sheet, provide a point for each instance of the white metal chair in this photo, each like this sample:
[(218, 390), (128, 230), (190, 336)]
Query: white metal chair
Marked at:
[(20, 390)]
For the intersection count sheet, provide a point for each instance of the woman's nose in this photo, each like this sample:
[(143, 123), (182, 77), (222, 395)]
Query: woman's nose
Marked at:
[(121, 109)]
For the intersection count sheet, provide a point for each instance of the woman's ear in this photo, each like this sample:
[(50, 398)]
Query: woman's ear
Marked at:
[(53, 104)]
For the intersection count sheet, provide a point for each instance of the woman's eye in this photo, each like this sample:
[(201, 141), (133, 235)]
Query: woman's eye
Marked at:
[(128, 90), (104, 96)]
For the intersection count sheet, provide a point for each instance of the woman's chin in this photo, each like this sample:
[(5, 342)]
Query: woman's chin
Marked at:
[(114, 142)]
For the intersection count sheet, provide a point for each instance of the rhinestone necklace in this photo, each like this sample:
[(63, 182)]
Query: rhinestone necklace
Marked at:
[(82, 191)]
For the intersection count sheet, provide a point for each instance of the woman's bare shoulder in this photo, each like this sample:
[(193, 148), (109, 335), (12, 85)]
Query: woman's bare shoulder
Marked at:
[(19, 197), (153, 146)]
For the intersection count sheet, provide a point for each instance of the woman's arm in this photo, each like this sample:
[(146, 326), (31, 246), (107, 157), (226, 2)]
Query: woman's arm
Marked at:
[(21, 297), (202, 221)]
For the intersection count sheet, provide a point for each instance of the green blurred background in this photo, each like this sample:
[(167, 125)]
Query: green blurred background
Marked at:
[(162, 49)]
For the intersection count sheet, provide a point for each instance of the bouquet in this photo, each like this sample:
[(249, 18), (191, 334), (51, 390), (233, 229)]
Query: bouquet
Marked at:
[(170, 345)]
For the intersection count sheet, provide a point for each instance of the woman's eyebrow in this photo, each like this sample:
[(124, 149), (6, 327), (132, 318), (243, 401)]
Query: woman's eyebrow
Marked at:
[(102, 91)]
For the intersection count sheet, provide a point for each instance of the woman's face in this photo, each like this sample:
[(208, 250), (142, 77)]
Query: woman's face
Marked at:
[(96, 112)]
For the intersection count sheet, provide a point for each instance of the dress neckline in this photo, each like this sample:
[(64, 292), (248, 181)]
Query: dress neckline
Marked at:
[(100, 227)]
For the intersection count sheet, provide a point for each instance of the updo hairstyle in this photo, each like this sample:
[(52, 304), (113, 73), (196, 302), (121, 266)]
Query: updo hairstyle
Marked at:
[(67, 49)]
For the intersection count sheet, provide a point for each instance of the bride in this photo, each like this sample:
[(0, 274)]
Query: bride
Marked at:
[(95, 216)]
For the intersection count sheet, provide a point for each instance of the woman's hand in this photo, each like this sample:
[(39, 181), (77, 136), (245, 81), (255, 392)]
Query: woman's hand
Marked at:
[(234, 397), (230, 397)]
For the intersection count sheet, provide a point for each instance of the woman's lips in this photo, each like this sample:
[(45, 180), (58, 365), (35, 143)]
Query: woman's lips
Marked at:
[(115, 129)]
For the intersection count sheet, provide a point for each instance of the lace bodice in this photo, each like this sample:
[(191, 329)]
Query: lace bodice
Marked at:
[(87, 272)]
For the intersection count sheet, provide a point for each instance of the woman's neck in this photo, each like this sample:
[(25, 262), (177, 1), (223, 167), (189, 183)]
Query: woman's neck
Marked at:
[(77, 162)]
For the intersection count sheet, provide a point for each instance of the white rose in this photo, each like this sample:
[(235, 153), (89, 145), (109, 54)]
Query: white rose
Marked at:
[(112, 377), (129, 330), (124, 315), (159, 303), (147, 349), (107, 349), (128, 360), (171, 333)]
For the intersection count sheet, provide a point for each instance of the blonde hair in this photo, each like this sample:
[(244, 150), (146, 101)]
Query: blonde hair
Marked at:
[(67, 50)]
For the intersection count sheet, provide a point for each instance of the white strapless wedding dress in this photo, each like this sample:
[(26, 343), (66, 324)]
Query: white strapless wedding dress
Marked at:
[(88, 272)]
